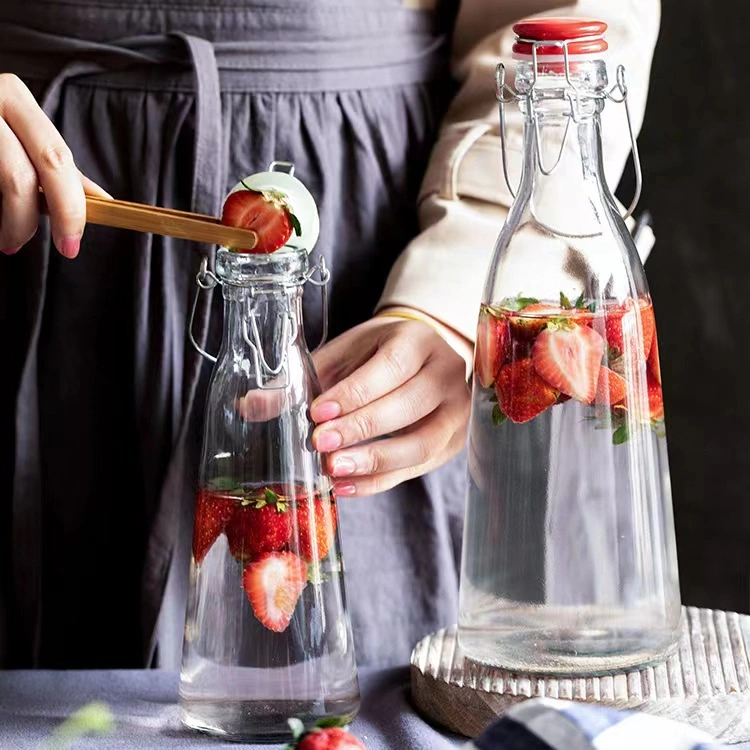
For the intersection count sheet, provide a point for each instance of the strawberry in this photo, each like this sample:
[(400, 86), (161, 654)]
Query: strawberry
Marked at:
[(274, 584), (653, 361), (331, 738), (623, 314), (266, 212), (314, 542), (611, 388), (493, 340), (568, 357), (212, 513), (261, 523), (525, 328), (521, 393), (655, 398)]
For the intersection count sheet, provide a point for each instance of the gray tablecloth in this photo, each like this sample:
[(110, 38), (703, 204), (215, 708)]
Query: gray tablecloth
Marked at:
[(32, 704)]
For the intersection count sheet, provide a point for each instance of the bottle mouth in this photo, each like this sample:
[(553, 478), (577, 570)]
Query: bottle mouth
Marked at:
[(288, 266)]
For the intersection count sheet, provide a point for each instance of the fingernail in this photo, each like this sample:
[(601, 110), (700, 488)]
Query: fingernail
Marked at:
[(329, 440), (343, 466), (70, 246), (325, 411), (10, 250), (344, 489)]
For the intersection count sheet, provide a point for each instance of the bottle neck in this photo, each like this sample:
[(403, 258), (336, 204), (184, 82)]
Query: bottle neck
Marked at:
[(263, 324), (563, 176)]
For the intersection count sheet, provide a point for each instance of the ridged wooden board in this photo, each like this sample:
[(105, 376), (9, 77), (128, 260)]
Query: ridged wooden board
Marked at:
[(706, 683)]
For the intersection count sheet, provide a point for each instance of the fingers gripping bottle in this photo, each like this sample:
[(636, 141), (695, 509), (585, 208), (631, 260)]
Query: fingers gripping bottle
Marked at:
[(569, 562), (267, 635)]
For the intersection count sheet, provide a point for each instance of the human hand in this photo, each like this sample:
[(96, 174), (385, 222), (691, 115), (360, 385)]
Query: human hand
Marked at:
[(392, 379), (33, 153)]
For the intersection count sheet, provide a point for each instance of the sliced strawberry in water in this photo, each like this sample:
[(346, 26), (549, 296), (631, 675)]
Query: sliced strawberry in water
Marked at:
[(316, 528), (620, 321), (654, 366), (568, 357), (274, 584), (611, 388), (267, 213), (212, 513), (493, 340), (521, 393), (655, 398), (526, 324)]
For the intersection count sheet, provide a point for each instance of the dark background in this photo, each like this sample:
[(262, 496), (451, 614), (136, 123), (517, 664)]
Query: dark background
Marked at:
[(695, 151)]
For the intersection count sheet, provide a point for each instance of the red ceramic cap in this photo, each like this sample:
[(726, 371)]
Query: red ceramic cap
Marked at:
[(588, 30)]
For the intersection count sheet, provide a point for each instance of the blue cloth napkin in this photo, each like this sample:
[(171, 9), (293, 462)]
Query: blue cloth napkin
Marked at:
[(546, 724)]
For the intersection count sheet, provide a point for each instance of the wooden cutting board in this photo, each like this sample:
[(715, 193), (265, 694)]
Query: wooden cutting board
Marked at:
[(706, 683)]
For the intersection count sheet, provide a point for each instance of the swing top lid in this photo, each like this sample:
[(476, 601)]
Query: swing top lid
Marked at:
[(551, 36)]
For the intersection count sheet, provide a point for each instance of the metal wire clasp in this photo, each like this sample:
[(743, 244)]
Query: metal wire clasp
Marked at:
[(618, 94), (267, 376)]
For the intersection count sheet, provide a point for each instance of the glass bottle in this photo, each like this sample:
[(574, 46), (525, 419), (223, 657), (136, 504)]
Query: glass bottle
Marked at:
[(569, 563), (267, 635)]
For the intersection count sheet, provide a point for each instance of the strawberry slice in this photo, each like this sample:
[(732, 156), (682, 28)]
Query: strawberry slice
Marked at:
[(611, 388), (493, 340), (316, 527), (621, 315), (521, 393), (261, 523), (654, 366), (525, 328), (212, 513), (568, 357), (655, 397), (274, 584), (266, 212)]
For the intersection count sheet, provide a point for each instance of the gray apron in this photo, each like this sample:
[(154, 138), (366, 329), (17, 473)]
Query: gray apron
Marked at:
[(169, 102)]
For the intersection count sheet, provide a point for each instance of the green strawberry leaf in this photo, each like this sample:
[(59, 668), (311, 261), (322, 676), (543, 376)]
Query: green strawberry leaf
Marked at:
[(225, 484), (620, 435), (295, 224), (580, 303), (297, 726), (565, 302), (493, 397), (331, 722), (270, 496), (515, 304), (247, 187), (497, 415)]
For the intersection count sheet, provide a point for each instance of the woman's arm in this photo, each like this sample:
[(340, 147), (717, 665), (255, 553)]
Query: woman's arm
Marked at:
[(464, 200)]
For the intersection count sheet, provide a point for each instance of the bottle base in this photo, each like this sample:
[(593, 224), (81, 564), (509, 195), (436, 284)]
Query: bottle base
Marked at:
[(263, 722), (566, 653)]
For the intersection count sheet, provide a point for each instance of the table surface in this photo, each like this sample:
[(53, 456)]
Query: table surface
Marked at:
[(33, 703)]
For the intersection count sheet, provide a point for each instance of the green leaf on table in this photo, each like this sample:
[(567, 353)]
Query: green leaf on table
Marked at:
[(93, 718), (497, 415)]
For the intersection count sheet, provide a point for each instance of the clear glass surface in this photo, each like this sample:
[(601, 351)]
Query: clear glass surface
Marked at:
[(569, 563), (267, 635)]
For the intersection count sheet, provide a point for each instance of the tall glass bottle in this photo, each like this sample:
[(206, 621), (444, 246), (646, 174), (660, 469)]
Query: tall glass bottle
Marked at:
[(267, 635), (569, 562)]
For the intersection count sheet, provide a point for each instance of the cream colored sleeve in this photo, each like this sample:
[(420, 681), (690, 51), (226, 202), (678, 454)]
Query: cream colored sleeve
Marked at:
[(463, 201)]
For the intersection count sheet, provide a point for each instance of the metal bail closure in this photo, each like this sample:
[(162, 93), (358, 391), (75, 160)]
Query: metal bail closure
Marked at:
[(558, 52), (267, 376)]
